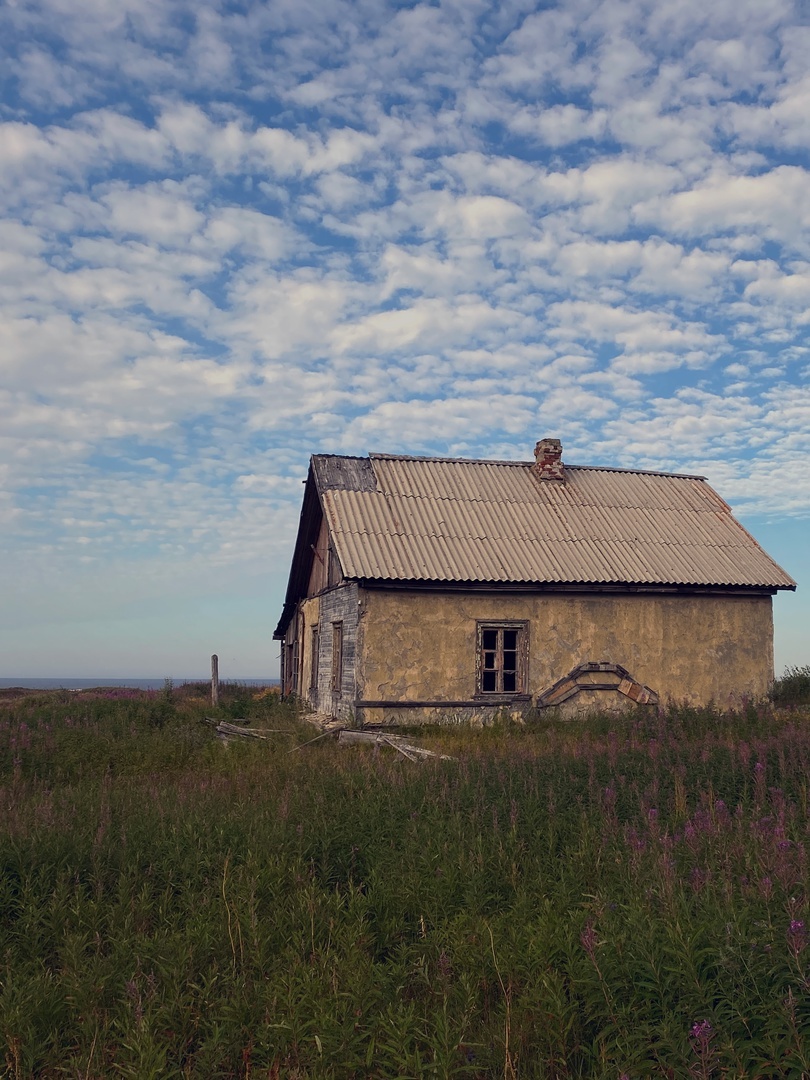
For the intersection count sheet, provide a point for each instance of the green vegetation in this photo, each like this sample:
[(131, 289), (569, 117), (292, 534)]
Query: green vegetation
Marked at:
[(612, 899), (793, 688)]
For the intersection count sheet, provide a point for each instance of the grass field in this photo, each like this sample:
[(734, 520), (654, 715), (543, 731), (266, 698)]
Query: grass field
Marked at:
[(614, 899)]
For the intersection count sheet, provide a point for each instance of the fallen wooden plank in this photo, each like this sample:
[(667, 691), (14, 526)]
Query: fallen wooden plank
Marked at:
[(214, 722), (400, 749), (255, 731), (349, 735), (421, 752), (310, 741), (408, 749), (244, 733)]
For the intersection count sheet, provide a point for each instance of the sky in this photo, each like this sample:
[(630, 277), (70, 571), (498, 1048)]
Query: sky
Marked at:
[(235, 234)]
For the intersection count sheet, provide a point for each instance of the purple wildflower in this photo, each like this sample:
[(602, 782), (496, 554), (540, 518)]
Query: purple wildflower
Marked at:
[(634, 841), (797, 936), (701, 1032), (700, 1036)]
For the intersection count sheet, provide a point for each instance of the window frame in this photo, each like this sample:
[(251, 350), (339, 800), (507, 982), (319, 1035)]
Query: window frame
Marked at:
[(521, 627), (314, 665), (337, 657), (295, 657)]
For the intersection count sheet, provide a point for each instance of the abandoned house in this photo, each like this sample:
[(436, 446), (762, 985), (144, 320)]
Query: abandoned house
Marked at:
[(446, 590)]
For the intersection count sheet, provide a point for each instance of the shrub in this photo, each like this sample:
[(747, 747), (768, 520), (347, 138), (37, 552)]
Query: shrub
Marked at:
[(793, 688)]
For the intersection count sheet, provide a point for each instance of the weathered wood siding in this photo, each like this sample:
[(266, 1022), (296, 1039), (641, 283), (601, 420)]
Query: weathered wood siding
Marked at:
[(318, 577), (337, 605)]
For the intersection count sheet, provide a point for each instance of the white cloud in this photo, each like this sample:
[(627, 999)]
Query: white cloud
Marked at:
[(232, 236), (542, 50), (278, 316), (776, 203), (262, 236), (157, 212), (427, 323), (791, 289), (560, 124), (412, 424), (648, 341), (653, 266)]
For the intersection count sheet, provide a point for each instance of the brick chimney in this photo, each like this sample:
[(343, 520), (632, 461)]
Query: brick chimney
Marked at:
[(548, 460)]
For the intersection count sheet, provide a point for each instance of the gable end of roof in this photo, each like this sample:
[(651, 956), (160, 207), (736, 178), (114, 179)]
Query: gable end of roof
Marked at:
[(333, 472)]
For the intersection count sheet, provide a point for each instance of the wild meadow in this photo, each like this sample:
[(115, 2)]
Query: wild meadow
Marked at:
[(617, 898)]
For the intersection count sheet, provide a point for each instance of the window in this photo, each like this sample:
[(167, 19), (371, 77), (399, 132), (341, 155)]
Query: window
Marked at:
[(337, 657), (502, 658), (293, 654), (292, 659), (313, 660)]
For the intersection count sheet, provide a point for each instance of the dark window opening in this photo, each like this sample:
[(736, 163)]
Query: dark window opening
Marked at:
[(500, 653)]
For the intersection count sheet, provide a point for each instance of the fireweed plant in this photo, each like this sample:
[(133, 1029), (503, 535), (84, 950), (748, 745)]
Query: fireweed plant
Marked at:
[(616, 898)]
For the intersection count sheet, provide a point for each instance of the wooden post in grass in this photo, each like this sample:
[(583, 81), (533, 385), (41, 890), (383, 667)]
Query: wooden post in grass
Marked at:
[(215, 680)]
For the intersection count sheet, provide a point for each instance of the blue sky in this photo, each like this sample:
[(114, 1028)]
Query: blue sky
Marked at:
[(234, 234)]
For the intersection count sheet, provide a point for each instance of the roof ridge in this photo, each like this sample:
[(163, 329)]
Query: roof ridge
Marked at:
[(529, 464), (641, 472), (344, 457)]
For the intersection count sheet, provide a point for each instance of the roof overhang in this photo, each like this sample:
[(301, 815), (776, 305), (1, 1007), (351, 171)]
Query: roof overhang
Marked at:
[(309, 524), (573, 587)]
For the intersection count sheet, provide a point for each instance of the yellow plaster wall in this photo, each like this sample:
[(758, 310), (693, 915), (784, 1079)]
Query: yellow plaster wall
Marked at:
[(422, 646)]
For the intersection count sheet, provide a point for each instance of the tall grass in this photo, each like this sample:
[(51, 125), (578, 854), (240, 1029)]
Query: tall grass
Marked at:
[(793, 688), (616, 899)]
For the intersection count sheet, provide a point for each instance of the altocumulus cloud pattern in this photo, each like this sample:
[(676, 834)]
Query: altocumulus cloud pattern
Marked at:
[(235, 233)]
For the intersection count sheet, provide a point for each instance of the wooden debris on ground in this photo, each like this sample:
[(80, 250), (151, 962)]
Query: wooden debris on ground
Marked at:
[(225, 729), (345, 736), (309, 742), (323, 721), (386, 738)]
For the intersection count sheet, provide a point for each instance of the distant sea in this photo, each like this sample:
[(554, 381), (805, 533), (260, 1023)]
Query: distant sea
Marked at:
[(136, 684)]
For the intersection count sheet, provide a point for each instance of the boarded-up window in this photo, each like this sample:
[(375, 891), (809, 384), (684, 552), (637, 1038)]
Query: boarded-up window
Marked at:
[(291, 668), (337, 657), (502, 649), (313, 670), (295, 665)]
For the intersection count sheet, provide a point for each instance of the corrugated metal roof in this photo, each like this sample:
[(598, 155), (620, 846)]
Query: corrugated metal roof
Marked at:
[(450, 520)]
